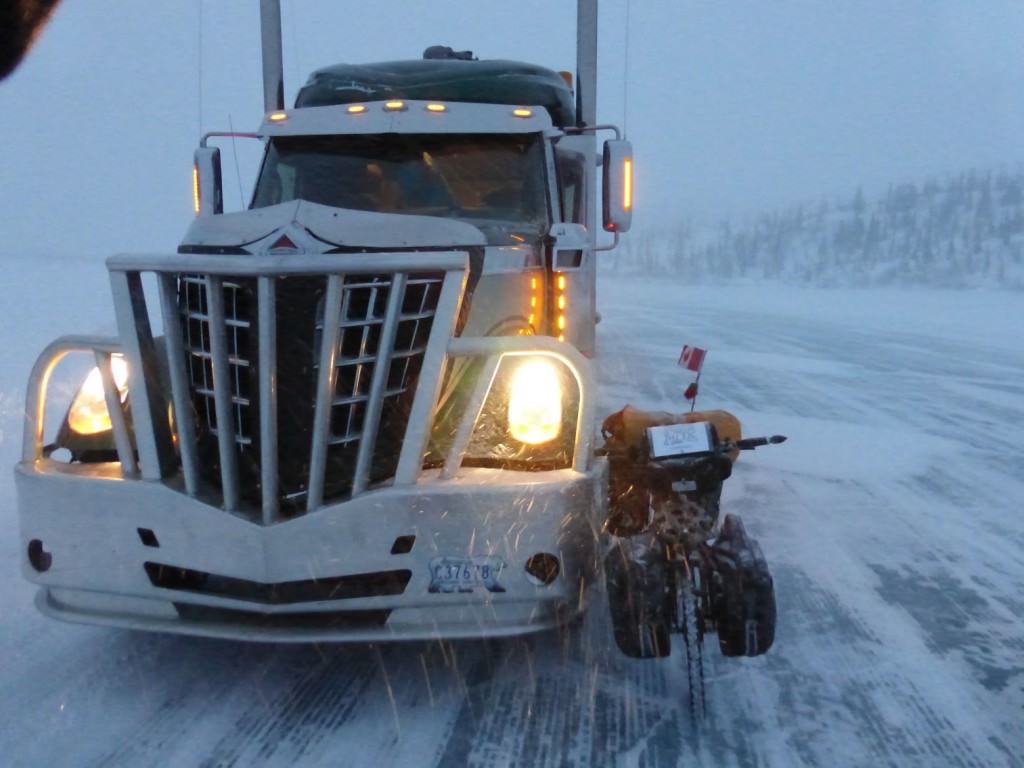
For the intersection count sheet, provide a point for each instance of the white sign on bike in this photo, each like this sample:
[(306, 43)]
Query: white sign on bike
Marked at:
[(679, 439)]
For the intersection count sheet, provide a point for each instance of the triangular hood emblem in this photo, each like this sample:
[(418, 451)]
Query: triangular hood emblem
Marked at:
[(283, 245)]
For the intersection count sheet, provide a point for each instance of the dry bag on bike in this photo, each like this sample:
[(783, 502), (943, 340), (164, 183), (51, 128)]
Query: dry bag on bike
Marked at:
[(630, 481)]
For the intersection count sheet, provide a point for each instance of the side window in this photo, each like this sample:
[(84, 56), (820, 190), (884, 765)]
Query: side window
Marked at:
[(570, 185)]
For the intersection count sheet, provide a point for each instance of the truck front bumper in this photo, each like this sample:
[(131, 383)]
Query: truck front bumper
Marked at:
[(489, 553)]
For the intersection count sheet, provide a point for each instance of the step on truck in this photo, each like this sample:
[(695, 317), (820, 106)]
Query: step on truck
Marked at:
[(362, 408)]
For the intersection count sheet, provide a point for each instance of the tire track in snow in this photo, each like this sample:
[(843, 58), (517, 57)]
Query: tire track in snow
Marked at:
[(307, 705), (835, 616)]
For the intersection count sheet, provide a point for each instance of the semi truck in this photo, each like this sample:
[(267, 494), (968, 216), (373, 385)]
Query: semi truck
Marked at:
[(363, 407)]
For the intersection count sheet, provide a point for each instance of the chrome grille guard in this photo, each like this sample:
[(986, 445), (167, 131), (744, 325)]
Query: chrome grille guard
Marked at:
[(369, 378)]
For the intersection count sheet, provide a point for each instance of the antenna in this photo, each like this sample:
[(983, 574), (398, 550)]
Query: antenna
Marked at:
[(625, 73), (234, 151), (199, 68)]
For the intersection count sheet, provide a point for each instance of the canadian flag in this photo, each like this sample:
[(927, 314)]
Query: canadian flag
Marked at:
[(692, 358)]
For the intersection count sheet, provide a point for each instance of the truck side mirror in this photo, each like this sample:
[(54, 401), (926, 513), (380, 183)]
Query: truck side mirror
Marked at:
[(618, 185), (207, 194)]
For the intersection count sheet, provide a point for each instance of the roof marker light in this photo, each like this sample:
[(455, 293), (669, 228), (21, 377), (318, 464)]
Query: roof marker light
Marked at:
[(278, 117), (356, 109), (522, 112), (394, 106), (437, 108)]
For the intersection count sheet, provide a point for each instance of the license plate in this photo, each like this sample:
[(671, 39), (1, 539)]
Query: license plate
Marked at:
[(464, 574)]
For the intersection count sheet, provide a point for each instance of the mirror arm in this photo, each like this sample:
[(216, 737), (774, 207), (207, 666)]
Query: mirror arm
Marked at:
[(611, 246)]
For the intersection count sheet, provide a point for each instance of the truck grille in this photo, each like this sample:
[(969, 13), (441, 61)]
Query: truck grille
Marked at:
[(372, 330), (238, 306), (359, 347)]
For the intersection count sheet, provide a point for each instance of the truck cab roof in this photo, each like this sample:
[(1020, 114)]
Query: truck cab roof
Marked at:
[(457, 80)]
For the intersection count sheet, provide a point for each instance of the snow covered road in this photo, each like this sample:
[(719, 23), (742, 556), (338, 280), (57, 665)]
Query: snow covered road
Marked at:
[(893, 519)]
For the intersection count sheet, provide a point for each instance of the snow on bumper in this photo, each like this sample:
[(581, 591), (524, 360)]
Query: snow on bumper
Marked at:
[(460, 558)]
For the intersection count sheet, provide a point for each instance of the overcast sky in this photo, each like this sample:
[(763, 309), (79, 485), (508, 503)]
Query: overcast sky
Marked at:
[(732, 106)]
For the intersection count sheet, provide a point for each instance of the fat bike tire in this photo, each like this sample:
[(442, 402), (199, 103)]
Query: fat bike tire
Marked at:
[(636, 602)]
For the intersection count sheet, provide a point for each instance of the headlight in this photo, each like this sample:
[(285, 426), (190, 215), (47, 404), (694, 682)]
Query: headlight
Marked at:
[(535, 402), (88, 413), (528, 420)]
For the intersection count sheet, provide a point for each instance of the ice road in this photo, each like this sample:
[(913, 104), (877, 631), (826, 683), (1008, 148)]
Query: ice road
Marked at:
[(893, 519)]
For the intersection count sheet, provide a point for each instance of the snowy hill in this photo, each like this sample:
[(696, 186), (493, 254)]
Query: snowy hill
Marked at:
[(963, 231)]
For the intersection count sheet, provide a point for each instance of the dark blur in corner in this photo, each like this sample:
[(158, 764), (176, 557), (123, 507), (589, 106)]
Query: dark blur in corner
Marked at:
[(20, 23)]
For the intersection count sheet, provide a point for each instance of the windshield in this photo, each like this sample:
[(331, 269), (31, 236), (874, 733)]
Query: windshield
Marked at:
[(483, 178)]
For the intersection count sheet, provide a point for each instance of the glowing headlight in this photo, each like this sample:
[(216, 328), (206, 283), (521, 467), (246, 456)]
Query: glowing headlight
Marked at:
[(88, 413), (535, 403)]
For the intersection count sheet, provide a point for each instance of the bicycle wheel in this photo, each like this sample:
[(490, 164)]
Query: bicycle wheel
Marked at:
[(636, 600)]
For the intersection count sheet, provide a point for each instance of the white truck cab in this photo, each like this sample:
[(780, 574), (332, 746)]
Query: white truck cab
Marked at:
[(362, 408)]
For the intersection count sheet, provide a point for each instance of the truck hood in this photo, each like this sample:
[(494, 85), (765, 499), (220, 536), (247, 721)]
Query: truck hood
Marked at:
[(325, 228)]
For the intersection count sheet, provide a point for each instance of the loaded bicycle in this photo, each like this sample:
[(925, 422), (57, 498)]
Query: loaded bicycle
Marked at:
[(673, 567)]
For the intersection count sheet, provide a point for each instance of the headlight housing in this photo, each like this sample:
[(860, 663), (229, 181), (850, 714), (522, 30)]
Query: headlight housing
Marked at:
[(528, 420)]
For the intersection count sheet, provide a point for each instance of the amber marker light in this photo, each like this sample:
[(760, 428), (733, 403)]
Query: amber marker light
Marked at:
[(522, 112), (561, 302), (534, 301), (394, 106), (627, 184), (356, 109), (278, 117), (437, 108), (195, 189)]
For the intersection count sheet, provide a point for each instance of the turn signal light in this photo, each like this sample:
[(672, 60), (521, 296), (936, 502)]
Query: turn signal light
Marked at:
[(627, 183)]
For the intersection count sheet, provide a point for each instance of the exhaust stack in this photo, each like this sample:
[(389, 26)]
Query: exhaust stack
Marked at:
[(586, 62), (273, 65)]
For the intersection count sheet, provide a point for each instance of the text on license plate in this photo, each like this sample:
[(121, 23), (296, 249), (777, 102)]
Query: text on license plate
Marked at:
[(464, 574)]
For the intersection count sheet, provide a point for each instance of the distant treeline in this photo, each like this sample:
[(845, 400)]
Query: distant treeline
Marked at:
[(965, 231)]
